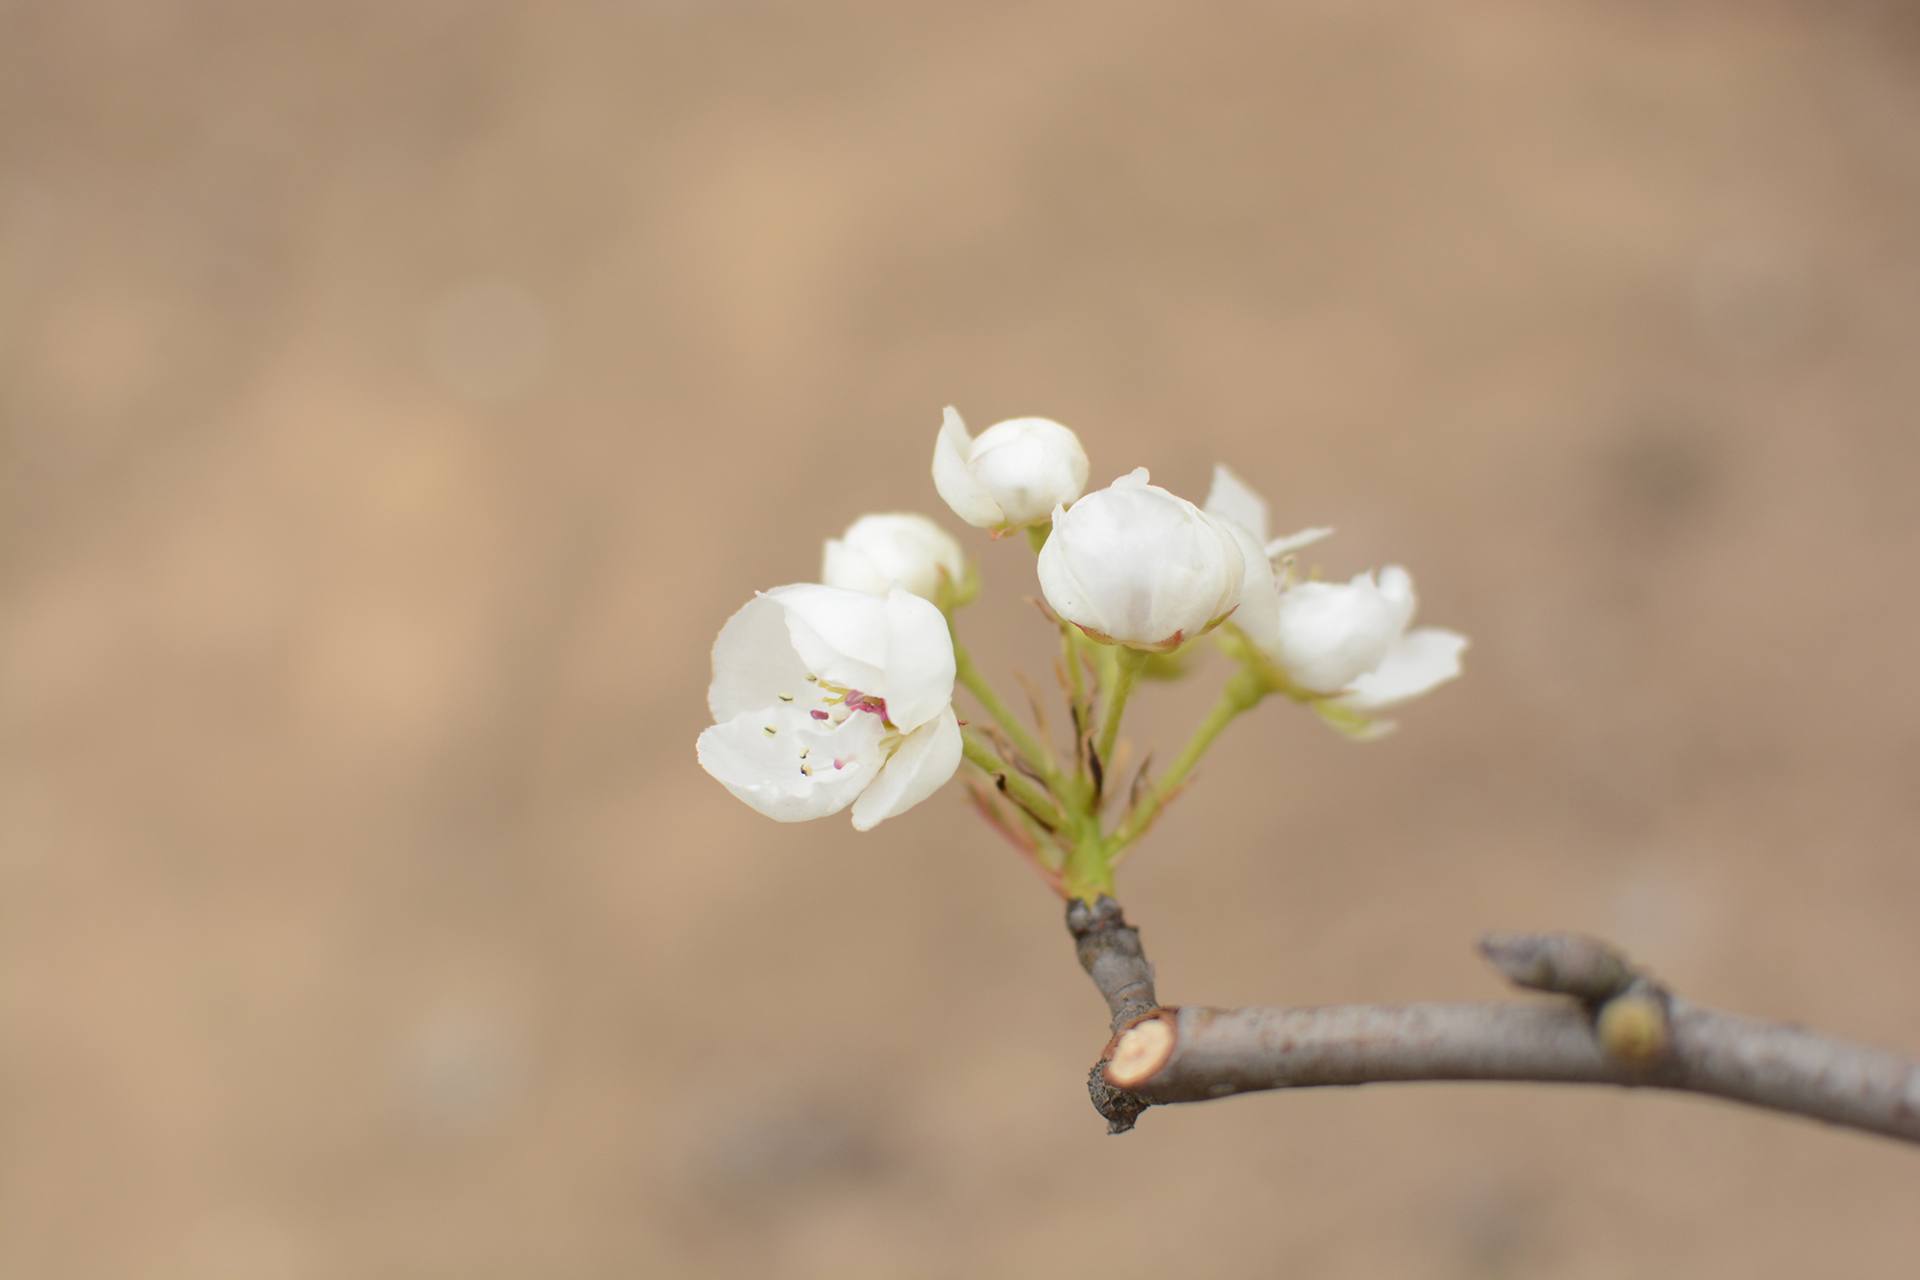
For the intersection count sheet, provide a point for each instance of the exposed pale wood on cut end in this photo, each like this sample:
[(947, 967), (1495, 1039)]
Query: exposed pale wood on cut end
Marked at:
[(1143, 1049)]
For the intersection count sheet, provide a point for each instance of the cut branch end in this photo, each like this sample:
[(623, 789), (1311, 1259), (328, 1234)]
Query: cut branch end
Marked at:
[(1141, 1051)]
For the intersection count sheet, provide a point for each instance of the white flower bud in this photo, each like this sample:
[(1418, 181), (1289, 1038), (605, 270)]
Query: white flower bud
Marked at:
[(1012, 474), (905, 550), (1331, 633), (1137, 565)]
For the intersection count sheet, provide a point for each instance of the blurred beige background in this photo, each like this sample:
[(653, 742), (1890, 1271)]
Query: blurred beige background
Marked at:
[(395, 398)]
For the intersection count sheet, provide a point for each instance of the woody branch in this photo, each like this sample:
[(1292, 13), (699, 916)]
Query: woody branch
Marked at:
[(1613, 1025)]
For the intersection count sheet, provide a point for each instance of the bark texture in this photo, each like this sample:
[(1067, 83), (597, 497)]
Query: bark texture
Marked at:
[(1110, 951), (1618, 1026)]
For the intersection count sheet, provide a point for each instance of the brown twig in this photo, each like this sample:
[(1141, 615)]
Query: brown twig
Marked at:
[(1110, 951), (1620, 1027)]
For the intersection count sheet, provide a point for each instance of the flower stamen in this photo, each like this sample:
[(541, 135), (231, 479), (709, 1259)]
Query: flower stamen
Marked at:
[(858, 701)]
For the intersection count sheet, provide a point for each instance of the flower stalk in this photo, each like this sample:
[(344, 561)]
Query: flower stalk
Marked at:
[(1032, 799), (1031, 749), (1076, 692), (1126, 671), (1243, 692)]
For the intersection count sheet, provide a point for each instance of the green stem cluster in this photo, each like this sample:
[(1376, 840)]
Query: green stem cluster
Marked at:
[(1243, 692), (1126, 672), (1061, 809), (1029, 746)]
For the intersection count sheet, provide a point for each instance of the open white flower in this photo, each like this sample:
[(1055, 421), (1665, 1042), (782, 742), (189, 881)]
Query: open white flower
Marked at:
[(1348, 641), (824, 697), (1012, 474), (1137, 565), (896, 549)]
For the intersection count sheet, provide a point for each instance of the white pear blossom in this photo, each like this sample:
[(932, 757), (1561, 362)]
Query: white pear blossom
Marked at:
[(895, 549), (1329, 634), (1351, 639), (1012, 474), (1137, 565), (1348, 641), (824, 698)]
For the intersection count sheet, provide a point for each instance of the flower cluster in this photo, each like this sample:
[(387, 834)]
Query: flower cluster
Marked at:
[(839, 694)]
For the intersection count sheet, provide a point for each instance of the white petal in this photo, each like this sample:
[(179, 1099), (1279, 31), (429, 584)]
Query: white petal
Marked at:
[(1295, 541), (754, 663), (1029, 466), (895, 548), (1091, 571), (1420, 660), (1232, 568), (1259, 613), (1140, 565), (852, 569), (840, 635), (1066, 595), (953, 475), (1396, 587), (770, 772), (918, 678), (919, 766), (1330, 633), (1230, 499)]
